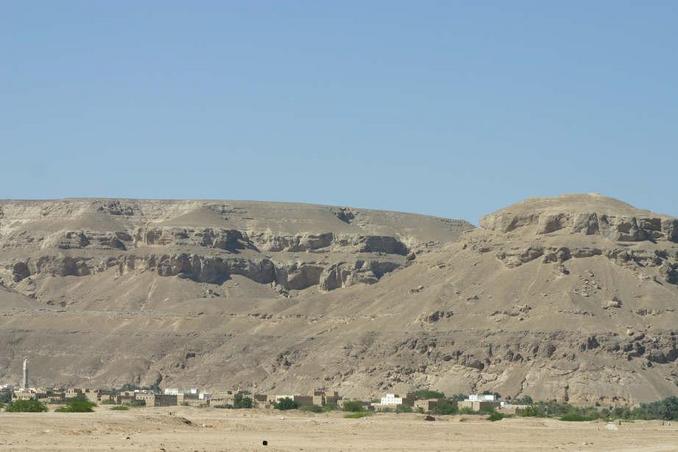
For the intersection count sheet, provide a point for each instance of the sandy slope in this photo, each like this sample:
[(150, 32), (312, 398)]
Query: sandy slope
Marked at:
[(218, 430)]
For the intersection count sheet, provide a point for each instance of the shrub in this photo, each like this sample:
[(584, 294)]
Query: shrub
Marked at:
[(445, 407), (358, 414), (576, 417), (529, 411), (486, 410), (77, 406), (428, 394), (354, 406), (618, 413), (495, 416), (26, 406), (286, 404), (524, 400), (140, 403), (547, 409), (312, 408), (403, 409), (120, 408)]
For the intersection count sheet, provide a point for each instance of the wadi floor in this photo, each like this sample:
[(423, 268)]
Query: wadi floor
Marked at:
[(194, 429)]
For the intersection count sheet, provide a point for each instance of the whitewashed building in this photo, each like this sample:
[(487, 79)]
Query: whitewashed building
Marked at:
[(482, 398), (391, 400), (480, 402)]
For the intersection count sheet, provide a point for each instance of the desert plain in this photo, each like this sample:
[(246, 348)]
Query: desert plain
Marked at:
[(211, 429)]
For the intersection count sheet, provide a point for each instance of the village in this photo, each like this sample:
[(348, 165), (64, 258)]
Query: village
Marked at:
[(319, 399)]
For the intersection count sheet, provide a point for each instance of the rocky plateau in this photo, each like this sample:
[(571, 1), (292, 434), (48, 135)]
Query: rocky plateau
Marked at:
[(571, 298)]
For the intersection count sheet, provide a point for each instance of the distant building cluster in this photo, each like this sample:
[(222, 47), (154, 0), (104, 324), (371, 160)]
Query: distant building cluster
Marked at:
[(168, 397), (229, 399), (234, 399)]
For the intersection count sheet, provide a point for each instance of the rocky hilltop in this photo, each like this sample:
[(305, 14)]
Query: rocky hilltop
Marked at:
[(572, 298)]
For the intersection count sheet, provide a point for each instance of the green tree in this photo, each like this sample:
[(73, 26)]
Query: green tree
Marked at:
[(26, 406), (524, 400), (77, 406), (286, 404), (429, 394), (457, 397), (242, 400), (666, 409)]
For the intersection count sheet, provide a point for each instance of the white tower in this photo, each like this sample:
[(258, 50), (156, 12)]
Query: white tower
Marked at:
[(24, 383)]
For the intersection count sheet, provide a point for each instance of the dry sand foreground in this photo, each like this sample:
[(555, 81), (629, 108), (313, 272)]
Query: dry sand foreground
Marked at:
[(192, 429)]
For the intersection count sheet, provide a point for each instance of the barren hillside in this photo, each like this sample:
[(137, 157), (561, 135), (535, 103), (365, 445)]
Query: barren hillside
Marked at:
[(572, 298)]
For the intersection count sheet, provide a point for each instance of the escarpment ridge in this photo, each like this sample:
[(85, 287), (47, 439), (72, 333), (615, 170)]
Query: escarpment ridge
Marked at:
[(291, 246), (571, 298)]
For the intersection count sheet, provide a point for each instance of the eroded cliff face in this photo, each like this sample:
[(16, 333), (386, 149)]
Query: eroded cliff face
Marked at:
[(329, 247), (573, 298), (583, 226)]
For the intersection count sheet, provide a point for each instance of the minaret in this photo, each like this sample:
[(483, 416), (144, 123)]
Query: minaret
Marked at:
[(24, 384)]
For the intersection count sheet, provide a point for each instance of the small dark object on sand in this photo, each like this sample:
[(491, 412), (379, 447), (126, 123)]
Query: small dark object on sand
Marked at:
[(265, 443), (429, 418)]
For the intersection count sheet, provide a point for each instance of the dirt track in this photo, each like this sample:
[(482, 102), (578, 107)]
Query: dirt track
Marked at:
[(212, 429)]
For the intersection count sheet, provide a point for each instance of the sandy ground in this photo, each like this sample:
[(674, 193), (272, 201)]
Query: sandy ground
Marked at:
[(194, 429)]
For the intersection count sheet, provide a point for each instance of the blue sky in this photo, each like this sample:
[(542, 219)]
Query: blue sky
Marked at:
[(448, 108)]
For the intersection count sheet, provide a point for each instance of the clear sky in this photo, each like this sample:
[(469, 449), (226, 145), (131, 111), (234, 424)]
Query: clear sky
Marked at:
[(451, 108)]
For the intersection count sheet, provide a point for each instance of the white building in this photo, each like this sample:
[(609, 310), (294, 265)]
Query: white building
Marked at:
[(192, 392), (482, 398), (391, 400)]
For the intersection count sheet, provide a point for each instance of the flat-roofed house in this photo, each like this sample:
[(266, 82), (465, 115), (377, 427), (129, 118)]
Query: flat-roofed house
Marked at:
[(426, 405), (222, 399), (147, 397), (388, 402), (480, 402), (23, 394), (73, 393), (322, 397)]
